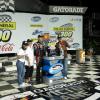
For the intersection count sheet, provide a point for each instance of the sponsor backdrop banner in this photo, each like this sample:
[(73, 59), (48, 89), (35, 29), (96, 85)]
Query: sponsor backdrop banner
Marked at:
[(17, 27)]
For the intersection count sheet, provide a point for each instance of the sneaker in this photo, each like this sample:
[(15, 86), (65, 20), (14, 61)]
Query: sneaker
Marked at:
[(65, 78), (27, 84), (22, 85), (97, 87)]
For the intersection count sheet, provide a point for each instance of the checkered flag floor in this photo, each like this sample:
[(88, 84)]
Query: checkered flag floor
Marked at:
[(90, 70)]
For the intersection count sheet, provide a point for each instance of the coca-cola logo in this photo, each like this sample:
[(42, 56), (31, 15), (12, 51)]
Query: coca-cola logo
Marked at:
[(6, 47)]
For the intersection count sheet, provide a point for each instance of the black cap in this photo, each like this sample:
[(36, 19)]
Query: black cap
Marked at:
[(39, 36), (25, 43), (29, 40), (59, 37)]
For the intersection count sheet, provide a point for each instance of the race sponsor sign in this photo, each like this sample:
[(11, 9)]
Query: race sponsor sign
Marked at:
[(17, 27)]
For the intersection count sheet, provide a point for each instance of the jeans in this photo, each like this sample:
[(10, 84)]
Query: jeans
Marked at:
[(20, 71), (65, 66)]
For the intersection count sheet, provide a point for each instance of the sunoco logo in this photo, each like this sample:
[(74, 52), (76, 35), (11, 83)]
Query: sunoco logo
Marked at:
[(36, 19), (54, 19)]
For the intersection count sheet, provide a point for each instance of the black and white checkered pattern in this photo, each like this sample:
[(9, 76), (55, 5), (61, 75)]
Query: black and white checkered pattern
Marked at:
[(5, 18), (6, 5), (90, 70)]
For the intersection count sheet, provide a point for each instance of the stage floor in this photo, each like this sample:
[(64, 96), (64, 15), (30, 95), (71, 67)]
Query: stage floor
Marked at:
[(82, 79)]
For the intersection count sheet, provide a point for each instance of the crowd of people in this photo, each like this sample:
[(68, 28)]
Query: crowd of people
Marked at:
[(30, 52)]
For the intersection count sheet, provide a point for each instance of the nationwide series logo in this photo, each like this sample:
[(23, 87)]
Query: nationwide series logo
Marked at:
[(5, 23), (5, 18), (54, 19), (8, 25), (35, 18), (75, 45)]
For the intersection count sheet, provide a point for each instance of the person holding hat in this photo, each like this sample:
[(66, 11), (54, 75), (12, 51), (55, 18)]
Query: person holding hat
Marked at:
[(21, 55)]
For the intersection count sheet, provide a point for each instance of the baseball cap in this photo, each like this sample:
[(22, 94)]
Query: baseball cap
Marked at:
[(24, 43), (40, 36), (29, 40), (59, 37)]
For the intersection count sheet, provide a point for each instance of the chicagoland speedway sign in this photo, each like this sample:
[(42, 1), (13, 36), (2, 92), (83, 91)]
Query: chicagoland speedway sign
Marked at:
[(67, 9)]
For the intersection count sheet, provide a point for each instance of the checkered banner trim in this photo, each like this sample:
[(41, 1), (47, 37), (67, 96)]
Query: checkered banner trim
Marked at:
[(7, 5), (5, 18)]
